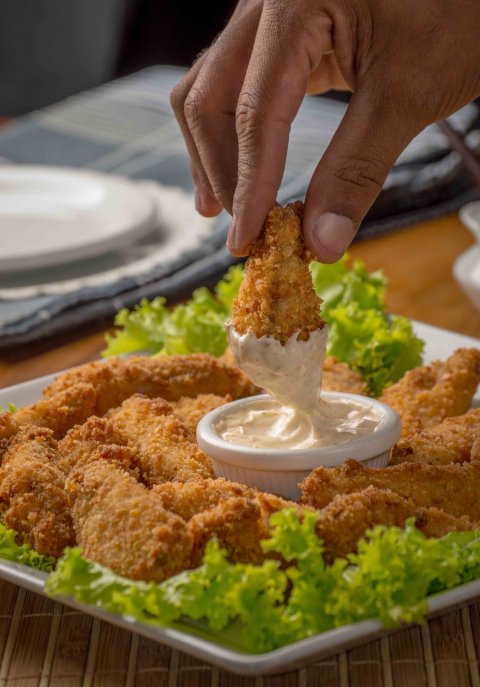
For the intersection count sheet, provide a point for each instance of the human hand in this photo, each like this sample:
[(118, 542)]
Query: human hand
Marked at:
[(408, 64)]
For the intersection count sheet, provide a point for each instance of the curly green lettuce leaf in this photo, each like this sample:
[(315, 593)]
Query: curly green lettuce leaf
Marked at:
[(269, 605), (12, 408), (196, 326), (22, 553), (380, 347)]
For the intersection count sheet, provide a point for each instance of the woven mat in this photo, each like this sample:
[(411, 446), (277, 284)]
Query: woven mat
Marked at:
[(45, 644)]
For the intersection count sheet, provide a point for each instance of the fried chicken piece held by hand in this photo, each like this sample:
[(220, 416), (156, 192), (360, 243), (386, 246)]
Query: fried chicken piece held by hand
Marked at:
[(276, 297), (427, 395)]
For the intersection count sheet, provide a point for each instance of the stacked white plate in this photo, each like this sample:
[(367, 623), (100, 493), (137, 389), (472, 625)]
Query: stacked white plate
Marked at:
[(62, 229)]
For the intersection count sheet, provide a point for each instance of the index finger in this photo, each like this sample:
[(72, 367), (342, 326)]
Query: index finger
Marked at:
[(283, 56)]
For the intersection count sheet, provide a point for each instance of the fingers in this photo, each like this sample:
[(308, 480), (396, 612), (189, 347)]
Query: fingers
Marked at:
[(282, 58), (352, 171), (205, 201), (205, 104)]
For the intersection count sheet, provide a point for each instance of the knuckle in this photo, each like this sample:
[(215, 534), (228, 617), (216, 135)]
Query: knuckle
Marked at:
[(247, 114), (178, 96), (361, 174), (194, 109)]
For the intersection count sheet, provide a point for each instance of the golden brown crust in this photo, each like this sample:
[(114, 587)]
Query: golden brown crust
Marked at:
[(32, 496), (454, 488), (347, 518), (276, 297), (70, 406), (121, 524), (165, 447), (426, 396), (191, 410), (338, 376), (455, 440)]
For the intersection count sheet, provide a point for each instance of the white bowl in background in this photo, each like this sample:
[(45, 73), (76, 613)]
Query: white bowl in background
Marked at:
[(466, 270), (470, 217), (281, 471)]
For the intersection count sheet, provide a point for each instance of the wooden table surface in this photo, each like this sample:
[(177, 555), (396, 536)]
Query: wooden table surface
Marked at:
[(71, 649)]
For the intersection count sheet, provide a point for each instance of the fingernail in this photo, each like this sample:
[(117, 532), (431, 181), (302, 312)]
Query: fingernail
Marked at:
[(232, 237), (332, 233), (198, 200)]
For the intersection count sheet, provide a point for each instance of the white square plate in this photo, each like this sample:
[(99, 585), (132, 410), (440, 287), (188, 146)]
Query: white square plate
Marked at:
[(192, 638)]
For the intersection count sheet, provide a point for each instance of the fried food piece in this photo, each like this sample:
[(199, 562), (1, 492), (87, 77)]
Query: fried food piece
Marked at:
[(455, 440), (61, 411), (424, 397), (276, 297), (338, 376), (165, 447), (454, 488), (348, 517), (121, 524), (238, 526), (98, 435), (33, 501), (191, 410), (169, 377), (237, 515)]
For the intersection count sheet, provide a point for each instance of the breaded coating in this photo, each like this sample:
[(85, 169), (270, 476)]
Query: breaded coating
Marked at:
[(237, 525), (121, 524), (237, 515), (166, 449), (348, 517), (455, 440), (426, 396), (191, 410), (276, 297), (96, 435), (169, 377), (33, 501), (188, 499), (338, 376), (61, 411), (454, 488)]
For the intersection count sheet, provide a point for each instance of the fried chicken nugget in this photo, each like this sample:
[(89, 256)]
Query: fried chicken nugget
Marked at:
[(426, 396), (455, 440), (347, 518), (169, 377), (98, 435), (166, 448), (191, 410), (338, 376), (61, 411), (454, 488), (33, 501), (237, 515), (276, 297), (121, 524)]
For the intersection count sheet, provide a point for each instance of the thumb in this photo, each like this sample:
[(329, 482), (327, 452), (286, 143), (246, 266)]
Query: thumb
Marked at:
[(351, 173)]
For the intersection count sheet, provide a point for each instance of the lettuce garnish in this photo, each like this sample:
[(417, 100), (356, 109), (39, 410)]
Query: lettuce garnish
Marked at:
[(22, 553), (381, 347), (269, 605)]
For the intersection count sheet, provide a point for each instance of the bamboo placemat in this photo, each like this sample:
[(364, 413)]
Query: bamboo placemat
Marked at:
[(45, 644)]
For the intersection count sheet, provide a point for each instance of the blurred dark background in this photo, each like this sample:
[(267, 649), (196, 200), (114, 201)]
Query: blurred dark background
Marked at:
[(50, 49)]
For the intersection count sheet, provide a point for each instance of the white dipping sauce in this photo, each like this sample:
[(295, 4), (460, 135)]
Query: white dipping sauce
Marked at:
[(296, 417)]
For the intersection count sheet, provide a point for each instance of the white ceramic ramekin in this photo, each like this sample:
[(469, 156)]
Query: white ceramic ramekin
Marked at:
[(280, 471)]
